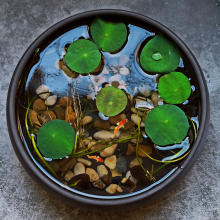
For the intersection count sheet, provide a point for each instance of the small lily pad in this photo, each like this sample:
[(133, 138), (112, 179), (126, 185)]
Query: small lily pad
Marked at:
[(83, 56), (111, 101), (174, 88), (109, 36), (166, 124), (56, 139), (160, 55)]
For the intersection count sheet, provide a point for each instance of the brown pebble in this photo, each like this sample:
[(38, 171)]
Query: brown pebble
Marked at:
[(96, 147), (69, 114), (34, 119), (47, 116), (60, 112), (128, 125), (107, 179), (65, 101), (146, 149), (115, 84), (99, 184), (39, 105), (131, 149), (101, 125), (54, 165), (114, 119), (65, 166)]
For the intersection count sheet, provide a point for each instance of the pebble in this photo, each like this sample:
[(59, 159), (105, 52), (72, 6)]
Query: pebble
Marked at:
[(66, 164), (135, 140), (117, 179), (109, 151), (65, 101), (86, 162), (34, 119), (129, 184), (39, 105), (101, 124), (112, 131), (69, 114), (115, 84), (144, 104), (131, 150), (51, 100), (121, 149), (103, 135), (54, 165), (83, 183), (124, 71), (43, 88), (136, 162), (102, 171), (129, 125), (60, 112), (146, 149), (155, 98), (103, 117), (63, 161), (124, 179), (128, 174), (134, 110), (86, 141), (110, 162), (111, 188), (119, 189), (47, 116), (145, 90), (86, 120), (124, 134), (115, 173), (79, 168), (69, 176), (134, 118), (96, 147), (138, 173), (121, 164), (107, 179), (114, 119), (93, 176), (99, 184)]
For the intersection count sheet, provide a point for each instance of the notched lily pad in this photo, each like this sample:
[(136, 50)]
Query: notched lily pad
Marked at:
[(110, 101), (160, 55), (56, 139), (83, 56), (166, 124), (174, 88), (109, 36)]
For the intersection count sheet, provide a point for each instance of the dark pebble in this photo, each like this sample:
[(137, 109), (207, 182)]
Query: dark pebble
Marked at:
[(117, 179), (60, 112), (121, 164), (107, 179), (121, 149)]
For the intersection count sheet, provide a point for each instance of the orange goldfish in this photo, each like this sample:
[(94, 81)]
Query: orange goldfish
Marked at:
[(120, 125), (98, 159)]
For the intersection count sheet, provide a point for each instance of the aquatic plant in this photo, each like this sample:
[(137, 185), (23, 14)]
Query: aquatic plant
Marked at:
[(160, 55), (109, 36), (111, 101), (174, 88)]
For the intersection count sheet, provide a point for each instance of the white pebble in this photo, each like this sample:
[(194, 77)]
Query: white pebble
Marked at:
[(51, 100), (43, 88)]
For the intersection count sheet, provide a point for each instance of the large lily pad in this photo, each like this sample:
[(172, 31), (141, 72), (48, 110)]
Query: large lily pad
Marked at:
[(174, 88), (166, 124), (110, 101), (160, 55), (83, 56), (109, 36), (56, 139)]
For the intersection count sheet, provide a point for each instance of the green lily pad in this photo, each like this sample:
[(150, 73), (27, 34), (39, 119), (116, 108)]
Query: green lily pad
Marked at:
[(166, 124), (160, 55), (83, 56), (56, 139), (110, 101), (109, 36), (174, 88)]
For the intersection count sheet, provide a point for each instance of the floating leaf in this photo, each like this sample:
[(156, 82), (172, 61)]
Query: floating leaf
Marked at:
[(174, 88), (111, 101), (166, 124), (160, 55), (109, 36), (56, 139), (83, 56)]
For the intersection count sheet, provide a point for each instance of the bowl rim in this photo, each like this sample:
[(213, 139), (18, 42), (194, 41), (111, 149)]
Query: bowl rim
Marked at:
[(113, 204)]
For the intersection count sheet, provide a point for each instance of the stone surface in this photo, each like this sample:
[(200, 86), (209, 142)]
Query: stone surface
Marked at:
[(111, 189), (103, 135), (146, 149), (115, 119), (93, 176), (86, 120), (69, 176), (102, 171), (131, 149), (110, 162), (79, 168), (86, 162), (99, 184), (69, 114), (101, 124), (39, 105), (109, 151), (51, 100), (60, 112), (65, 101), (197, 196)]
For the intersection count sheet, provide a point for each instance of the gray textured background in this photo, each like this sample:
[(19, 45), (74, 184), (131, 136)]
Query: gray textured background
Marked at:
[(196, 23)]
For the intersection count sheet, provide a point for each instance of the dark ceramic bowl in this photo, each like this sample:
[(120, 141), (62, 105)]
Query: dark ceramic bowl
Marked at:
[(81, 199)]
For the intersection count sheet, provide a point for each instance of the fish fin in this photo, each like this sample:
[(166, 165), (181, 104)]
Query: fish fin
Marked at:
[(112, 136), (122, 126)]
